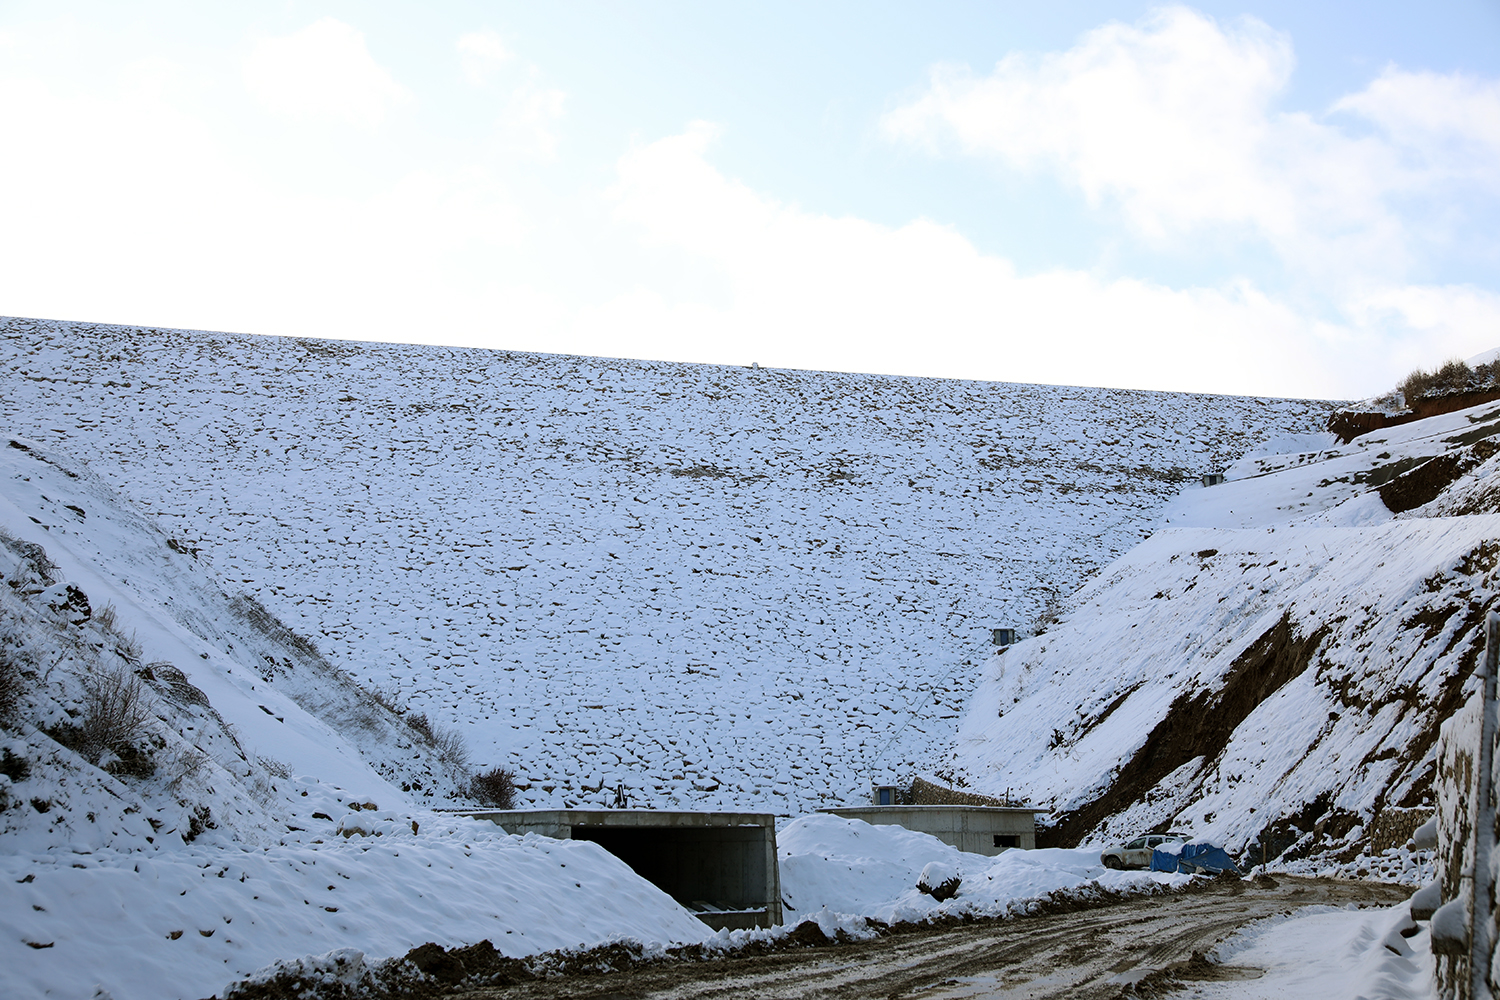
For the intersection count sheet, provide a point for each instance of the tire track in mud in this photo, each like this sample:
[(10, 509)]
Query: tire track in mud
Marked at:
[(1137, 947)]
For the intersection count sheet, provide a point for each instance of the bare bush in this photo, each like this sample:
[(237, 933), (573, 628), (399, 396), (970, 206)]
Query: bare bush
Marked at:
[(116, 711), (129, 647), (418, 723), (451, 747), (44, 568), (1452, 376), (448, 743), (10, 682), (388, 698), (1050, 614), (495, 787), (183, 763)]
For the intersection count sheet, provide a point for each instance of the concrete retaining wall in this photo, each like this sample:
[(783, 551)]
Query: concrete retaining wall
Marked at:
[(976, 829)]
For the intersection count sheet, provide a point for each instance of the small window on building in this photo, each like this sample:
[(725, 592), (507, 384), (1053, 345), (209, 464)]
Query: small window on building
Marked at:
[(1007, 840)]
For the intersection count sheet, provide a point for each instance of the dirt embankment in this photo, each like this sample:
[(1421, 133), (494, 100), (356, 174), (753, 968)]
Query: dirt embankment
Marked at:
[(1347, 425)]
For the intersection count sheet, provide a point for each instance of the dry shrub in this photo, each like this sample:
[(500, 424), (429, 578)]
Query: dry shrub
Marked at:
[(183, 763), (449, 743), (108, 618), (1452, 376), (418, 724), (116, 711), (495, 787), (451, 748)]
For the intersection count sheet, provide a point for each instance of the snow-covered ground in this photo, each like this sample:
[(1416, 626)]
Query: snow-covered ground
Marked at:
[(1327, 953), (831, 865), (1274, 663), (718, 587)]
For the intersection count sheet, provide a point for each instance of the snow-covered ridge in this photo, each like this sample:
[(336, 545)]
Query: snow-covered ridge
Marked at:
[(715, 586), (1272, 667)]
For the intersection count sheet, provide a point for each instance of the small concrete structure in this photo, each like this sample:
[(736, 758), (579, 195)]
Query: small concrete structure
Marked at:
[(1213, 479), (1002, 636), (722, 866), (976, 829)]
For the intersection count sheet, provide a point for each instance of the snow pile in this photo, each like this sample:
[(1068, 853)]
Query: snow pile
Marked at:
[(846, 867), (718, 587), (1320, 951), (190, 792), (184, 922), (1271, 668)]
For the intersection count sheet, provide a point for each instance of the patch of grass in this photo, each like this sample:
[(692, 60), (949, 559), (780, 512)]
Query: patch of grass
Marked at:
[(268, 625)]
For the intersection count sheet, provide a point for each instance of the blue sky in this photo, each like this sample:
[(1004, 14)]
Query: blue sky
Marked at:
[(1282, 198)]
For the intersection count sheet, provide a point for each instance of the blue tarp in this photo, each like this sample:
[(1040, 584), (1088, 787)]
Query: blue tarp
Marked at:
[(1195, 859)]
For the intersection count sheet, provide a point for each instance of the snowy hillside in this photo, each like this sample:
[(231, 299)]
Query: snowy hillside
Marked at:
[(188, 793), (713, 586), (1273, 665)]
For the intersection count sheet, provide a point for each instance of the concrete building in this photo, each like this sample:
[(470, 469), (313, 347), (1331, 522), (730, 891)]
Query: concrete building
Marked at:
[(722, 866), (976, 829)]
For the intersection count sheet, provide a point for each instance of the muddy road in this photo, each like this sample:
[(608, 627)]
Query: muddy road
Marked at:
[(1142, 947)]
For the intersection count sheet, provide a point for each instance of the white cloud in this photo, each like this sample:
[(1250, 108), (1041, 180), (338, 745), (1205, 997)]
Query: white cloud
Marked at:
[(528, 121), (323, 71), (173, 230), (1429, 324), (1173, 120), (481, 54), (812, 291), (526, 124), (1168, 117), (1450, 123)]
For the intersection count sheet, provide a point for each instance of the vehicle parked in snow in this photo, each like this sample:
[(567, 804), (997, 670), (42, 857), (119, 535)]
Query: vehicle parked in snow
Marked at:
[(1137, 853)]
